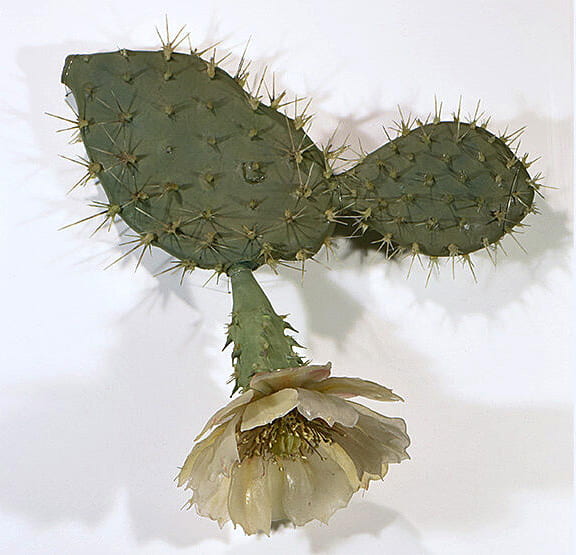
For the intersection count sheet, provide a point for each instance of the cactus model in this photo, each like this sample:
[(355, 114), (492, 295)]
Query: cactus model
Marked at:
[(203, 169)]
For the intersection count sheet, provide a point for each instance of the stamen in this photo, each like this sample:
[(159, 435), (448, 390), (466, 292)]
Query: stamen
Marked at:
[(292, 436)]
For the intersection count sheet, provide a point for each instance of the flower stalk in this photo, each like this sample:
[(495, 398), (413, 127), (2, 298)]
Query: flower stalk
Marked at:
[(257, 332)]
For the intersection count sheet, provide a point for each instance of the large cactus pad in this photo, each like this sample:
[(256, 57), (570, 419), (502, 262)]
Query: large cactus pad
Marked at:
[(195, 164), (441, 189)]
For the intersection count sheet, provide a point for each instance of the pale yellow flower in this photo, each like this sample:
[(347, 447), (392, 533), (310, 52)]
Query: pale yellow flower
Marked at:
[(292, 448)]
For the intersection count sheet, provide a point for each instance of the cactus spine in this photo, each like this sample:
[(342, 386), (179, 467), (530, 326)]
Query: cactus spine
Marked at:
[(205, 170)]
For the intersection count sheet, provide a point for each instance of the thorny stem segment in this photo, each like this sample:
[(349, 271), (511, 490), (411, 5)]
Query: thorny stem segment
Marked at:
[(257, 332)]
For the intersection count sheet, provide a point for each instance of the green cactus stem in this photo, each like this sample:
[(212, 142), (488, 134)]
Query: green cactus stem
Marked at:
[(257, 332)]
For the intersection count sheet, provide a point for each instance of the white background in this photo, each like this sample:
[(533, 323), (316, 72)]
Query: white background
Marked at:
[(108, 375)]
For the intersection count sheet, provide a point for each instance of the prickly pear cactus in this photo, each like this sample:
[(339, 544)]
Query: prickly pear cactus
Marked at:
[(445, 188), (202, 168), (195, 164)]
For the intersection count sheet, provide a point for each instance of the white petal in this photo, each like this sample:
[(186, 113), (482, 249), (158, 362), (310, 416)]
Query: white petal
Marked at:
[(367, 476), (203, 451), (390, 433), (269, 408), (210, 480), (335, 452), (329, 408), (362, 449), (275, 484), (352, 387), (389, 436), (249, 502), (298, 491), (227, 412), (268, 382), (211, 499), (212, 456), (398, 424), (314, 489), (225, 450)]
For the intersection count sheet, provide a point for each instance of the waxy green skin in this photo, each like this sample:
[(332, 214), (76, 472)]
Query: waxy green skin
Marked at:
[(195, 164), (441, 189), (202, 169), (257, 332)]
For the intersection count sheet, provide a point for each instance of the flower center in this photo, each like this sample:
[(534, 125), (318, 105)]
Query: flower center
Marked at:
[(291, 436)]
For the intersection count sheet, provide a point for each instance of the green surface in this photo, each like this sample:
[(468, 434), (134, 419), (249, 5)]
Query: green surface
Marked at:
[(196, 165), (258, 333), (441, 189)]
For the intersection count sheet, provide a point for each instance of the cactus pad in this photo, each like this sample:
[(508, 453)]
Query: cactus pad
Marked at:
[(440, 189), (195, 164)]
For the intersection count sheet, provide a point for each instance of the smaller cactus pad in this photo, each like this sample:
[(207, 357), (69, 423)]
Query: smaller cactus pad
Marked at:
[(441, 189)]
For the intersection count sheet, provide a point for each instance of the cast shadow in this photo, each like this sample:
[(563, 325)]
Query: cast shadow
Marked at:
[(526, 260), (75, 446), (385, 527), (536, 252)]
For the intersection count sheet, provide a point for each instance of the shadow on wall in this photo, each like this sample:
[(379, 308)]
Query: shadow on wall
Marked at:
[(74, 447), (469, 460), (331, 311), (544, 248), (363, 518)]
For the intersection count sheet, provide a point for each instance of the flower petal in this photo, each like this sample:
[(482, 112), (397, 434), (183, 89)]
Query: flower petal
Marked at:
[(209, 472), (352, 387), (363, 450), (314, 489), (212, 457), (275, 478), (268, 382), (267, 409), (203, 450), (225, 450), (211, 500), (337, 453), (249, 502), (390, 433), (389, 436), (329, 408), (226, 412), (366, 477), (297, 491)]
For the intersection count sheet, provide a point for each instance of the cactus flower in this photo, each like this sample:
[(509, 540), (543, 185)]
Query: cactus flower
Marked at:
[(291, 448)]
